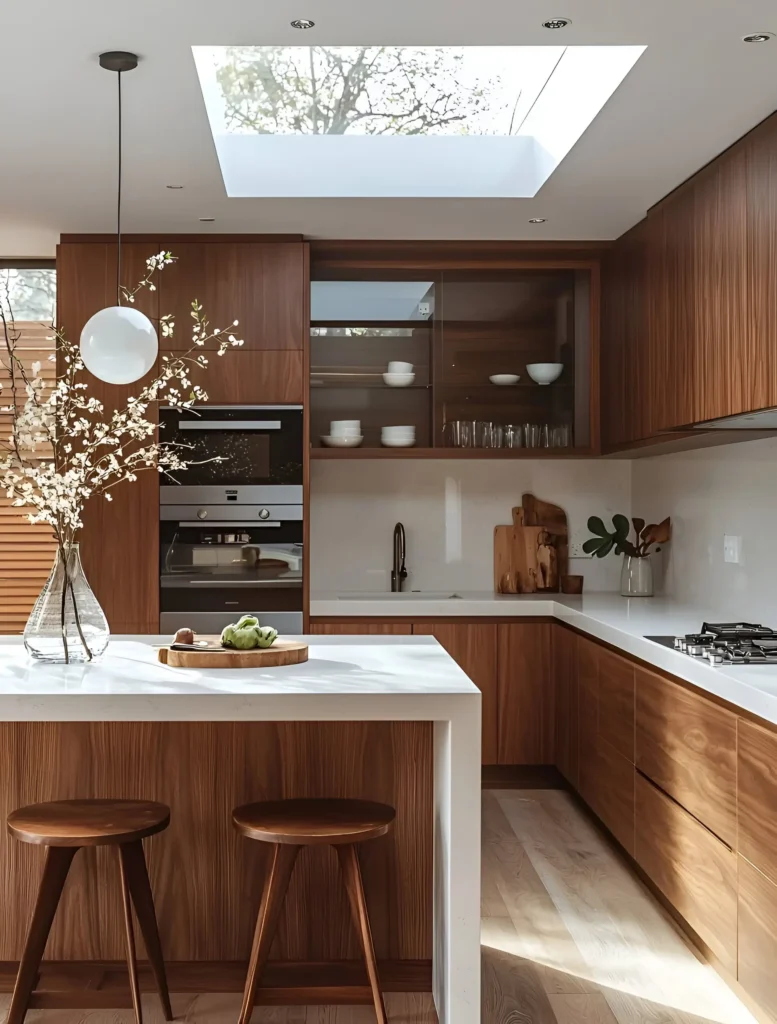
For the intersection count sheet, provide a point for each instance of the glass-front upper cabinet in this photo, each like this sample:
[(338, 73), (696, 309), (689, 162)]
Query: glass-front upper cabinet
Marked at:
[(467, 360), (370, 363), (511, 359)]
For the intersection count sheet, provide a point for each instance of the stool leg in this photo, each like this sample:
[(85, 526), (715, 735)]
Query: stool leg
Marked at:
[(129, 934), (136, 874), (275, 886), (58, 861), (349, 863)]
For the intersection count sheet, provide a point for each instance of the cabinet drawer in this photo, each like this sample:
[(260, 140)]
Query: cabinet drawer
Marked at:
[(687, 746), (694, 870), (607, 780), (757, 936), (616, 703), (757, 792)]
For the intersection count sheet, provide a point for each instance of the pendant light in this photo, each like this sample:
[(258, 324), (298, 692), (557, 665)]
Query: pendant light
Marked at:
[(119, 344)]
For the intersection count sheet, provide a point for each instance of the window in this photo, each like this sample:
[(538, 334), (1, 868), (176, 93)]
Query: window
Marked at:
[(27, 301)]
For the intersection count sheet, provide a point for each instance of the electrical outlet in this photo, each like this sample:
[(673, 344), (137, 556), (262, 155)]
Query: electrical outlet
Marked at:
[(576, 548), (732, 549)]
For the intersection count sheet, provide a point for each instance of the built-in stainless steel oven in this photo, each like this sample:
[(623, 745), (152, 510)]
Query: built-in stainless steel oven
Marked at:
[(231, 532)]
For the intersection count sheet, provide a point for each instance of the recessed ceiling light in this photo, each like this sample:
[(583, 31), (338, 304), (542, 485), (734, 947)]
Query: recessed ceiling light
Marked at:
[(207, 220), (758, 37), (537, 220), (556, 23), (176, 187), (302, 23)]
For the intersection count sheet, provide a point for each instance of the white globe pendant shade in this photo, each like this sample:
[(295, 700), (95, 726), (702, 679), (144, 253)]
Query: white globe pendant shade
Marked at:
[(119, 345)]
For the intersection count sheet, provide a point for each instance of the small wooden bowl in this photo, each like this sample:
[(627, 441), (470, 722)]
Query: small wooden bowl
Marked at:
[(571, 584)]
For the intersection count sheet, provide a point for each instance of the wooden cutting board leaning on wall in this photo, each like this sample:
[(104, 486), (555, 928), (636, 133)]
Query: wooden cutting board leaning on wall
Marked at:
[(531, 555)]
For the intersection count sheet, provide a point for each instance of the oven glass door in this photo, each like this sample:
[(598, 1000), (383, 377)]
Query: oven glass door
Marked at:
[(229, 445)]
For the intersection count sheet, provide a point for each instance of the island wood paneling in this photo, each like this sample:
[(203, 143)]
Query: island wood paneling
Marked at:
[(207, 880), (757, 796), (120, 540), (757, 949), (526, 694), (692, 868), (473, 646), (687, 746)]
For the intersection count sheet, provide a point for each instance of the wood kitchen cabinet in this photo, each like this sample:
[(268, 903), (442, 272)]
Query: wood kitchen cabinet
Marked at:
[(120, 540), (356, 628), (757, 796), (689, 312), (525, 694), (757, 936), (567, 705)]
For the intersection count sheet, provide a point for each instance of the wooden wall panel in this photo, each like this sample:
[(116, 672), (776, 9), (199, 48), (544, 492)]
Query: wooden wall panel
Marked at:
[(687, 746), (473, 647), (257, 377), (207, 880), (693, 869), (259, 284), (761, 263), (757, 796), (526, 694), (120, 540)]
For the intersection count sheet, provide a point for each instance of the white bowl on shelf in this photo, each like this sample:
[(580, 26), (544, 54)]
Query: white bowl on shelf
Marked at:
[(504, 379), (544, 373), (398, 380), (342, 440), (395, 366), (340, 428), (398, 441)]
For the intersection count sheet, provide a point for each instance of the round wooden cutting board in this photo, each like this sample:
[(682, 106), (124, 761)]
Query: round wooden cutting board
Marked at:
[(282, 652)]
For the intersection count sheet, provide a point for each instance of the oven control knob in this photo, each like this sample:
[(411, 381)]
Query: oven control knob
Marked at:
[(202, 513), (264, 513)]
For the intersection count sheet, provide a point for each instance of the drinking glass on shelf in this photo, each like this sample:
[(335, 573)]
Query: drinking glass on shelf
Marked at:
[(513, 435), (531, 435), (482, 434), (456, 434), (544, 436), (497, 435), (560, 436)]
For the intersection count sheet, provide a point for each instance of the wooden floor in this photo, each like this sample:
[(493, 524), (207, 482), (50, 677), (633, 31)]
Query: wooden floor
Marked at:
[(569, 936)]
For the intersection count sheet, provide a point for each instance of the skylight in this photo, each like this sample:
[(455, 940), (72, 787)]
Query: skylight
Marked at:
[(399, 120)]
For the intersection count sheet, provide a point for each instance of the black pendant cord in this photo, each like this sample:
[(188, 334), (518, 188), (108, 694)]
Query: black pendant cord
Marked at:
[(118, 209)]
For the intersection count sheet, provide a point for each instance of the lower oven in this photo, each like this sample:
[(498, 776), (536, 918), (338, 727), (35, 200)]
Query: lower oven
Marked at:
[(219, 562)]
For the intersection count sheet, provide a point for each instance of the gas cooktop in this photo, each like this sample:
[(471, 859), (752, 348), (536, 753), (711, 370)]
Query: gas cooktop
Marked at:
[(726, 643)]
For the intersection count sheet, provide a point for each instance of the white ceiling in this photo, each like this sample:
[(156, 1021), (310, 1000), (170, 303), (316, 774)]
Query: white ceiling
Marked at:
[(694, 92)]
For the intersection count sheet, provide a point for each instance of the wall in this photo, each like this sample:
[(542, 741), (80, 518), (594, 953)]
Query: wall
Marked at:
[(449, 509), (727, 490)]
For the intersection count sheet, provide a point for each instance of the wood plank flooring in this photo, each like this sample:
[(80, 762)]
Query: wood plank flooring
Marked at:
[(569, 936)]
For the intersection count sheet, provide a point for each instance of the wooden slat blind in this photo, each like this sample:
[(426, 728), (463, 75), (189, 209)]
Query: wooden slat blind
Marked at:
[(26, 551)]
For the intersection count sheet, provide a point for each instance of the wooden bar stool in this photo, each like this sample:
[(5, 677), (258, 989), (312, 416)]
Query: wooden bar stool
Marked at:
[(64, 826), (289, 825)]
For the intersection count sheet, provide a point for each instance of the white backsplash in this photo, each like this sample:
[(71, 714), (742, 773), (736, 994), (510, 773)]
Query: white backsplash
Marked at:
[(449, 509), (727, 490)]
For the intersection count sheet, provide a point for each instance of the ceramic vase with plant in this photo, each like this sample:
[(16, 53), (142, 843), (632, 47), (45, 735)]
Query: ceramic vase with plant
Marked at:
[(65, 450), (637, 569)]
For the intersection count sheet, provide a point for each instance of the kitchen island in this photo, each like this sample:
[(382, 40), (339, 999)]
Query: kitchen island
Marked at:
[(388, 719)]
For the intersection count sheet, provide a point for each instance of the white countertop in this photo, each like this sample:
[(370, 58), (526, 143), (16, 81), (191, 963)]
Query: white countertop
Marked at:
[(618, 621), (408, 678)]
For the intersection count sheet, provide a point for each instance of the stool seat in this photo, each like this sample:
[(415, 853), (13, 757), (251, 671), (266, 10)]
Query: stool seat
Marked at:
[(88, 822), (313, 822)]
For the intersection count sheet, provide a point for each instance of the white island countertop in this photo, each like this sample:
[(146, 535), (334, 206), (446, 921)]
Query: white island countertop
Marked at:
[(623, 623)]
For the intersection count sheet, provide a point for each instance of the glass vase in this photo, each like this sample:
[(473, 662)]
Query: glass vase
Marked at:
[(636, 577), (66, 624)]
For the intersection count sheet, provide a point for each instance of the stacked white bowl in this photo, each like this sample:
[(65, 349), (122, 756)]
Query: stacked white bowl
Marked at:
[(344, 434), (397, 437), (399, 375)]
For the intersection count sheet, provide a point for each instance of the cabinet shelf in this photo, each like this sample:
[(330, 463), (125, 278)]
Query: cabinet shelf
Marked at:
[(452, 453)]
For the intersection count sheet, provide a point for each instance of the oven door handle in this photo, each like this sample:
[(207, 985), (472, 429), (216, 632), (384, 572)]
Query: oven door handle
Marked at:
[(206, 524), (229, 424)]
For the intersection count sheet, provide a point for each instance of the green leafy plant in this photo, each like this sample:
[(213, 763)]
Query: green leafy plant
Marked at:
[(646, 536)]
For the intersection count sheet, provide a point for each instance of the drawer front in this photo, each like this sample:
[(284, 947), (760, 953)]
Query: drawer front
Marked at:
[(757, 936), (757, 792), (609, 784), (687, 746), (616, 703), (694, 870)]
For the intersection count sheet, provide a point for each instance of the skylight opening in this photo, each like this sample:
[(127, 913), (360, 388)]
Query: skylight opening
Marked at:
[(401, 120)]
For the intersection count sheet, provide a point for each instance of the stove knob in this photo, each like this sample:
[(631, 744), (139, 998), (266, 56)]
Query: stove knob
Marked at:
[(264, 513), (678, 643), (202, 513)]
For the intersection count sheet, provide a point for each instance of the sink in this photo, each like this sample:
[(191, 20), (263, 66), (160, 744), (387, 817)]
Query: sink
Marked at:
[(405, 595)]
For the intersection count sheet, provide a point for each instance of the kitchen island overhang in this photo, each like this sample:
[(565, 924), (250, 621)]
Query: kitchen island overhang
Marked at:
[(370, 680)]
